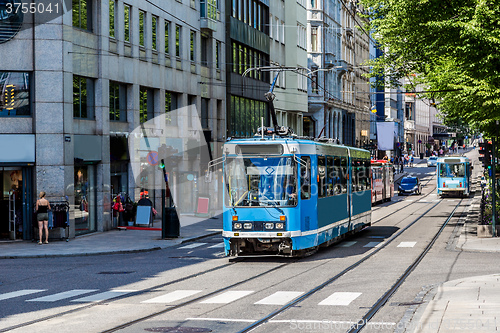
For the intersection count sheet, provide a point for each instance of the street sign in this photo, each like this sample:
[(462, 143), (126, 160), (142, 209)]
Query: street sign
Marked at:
[(152, 158)]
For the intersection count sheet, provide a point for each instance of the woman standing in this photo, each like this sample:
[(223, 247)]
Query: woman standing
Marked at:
[(42, 207)]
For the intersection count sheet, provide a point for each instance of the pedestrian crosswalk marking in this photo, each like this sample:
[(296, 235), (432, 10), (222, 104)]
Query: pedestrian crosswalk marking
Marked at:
[(407, 244), (347, 244), (192, 246), (227, 297), (280, 298), (173, 296), (340, 298), (62, 295), (19, 293), (373, 244), (104, 296), (216, 246)]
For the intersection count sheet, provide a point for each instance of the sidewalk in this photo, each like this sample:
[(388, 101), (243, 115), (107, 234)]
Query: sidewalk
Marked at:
[(465, 305), (115, 241)]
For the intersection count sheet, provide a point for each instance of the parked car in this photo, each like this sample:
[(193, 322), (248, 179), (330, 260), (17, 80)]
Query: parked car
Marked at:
[(410, 185), (432, 161)]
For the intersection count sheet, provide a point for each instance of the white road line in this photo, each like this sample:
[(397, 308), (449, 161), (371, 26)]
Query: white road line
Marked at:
[(19, 293), (104, 296), (340, 298), (280, 298), (407, 244), (373, 244), (347, 244), (192, 246), (216, 246), (377, 237), (227, 297), (172, 297), (63, 295)]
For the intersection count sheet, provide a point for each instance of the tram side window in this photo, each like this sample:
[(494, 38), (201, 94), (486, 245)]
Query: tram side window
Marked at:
[(337, 176), (344, 174), (305, 178), (365, 175), (330, 178), (321, 176), (354, 175)]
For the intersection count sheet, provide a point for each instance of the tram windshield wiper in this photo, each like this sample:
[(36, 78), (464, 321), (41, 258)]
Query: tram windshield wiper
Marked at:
[(274, 205)]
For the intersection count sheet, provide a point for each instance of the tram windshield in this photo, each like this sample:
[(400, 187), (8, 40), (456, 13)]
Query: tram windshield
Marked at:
[(261, 182), (452, 170)]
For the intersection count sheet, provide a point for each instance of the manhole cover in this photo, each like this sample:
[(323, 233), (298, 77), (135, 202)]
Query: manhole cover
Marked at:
[(178, 329), (128, 272)]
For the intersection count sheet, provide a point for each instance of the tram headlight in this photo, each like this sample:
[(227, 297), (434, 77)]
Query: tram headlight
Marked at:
[(279, 225), (269, 225), (247, 225), (237, 225)]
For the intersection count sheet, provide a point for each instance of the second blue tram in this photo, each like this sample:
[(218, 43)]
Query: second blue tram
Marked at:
[(288, 196), (453, 176)]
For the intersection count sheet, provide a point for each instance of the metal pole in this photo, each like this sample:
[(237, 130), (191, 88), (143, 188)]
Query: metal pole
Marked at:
[(493, 186)]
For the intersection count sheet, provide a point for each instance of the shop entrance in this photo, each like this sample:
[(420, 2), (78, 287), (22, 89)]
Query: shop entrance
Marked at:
[(15, 203)]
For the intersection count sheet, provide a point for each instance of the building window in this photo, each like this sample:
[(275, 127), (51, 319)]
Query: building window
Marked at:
[(314, 81), (117, 101), (204, 51), (170, 105), (167, 32), (154, 29), (235, 6), (126, 23), (205, 102), (245, 116), (283, 32), (192, 41), (146, 104), (112, 6), (217, 54), (82, 14), (177, 41), (15, 94), (141, 28), (83, 97), (208, 9), (314, 39)]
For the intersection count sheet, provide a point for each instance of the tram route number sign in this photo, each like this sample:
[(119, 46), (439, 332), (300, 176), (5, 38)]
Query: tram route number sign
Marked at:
[(152, 158)]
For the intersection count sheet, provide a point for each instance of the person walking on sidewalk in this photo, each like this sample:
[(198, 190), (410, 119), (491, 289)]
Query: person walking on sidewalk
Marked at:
[(42, 208)]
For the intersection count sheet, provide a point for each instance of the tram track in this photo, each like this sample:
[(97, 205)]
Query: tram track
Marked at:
[(410, 203), (219, 290), (374, 309)]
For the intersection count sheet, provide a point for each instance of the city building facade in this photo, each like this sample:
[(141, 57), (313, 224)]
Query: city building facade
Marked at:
[(83, 81), (339, 99)]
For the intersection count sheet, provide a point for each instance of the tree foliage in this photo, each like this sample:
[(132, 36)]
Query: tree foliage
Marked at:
[(453, 46)]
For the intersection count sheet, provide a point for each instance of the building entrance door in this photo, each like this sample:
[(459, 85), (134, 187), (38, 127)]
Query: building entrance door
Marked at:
[(11, 202)]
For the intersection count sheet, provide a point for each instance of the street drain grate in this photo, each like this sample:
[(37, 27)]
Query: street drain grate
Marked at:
[(178, 329), (118, 272)]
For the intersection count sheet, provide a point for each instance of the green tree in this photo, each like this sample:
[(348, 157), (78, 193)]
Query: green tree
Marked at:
[(453, 46)]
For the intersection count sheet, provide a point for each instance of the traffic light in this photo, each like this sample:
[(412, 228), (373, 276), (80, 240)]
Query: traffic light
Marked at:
[(485, 154), (167, 155)]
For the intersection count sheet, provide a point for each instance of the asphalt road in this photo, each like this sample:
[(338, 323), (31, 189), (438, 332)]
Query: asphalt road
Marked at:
[(99, 293)]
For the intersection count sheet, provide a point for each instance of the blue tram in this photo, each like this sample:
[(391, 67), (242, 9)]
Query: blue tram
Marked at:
[(453, 176), (288, 195)]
